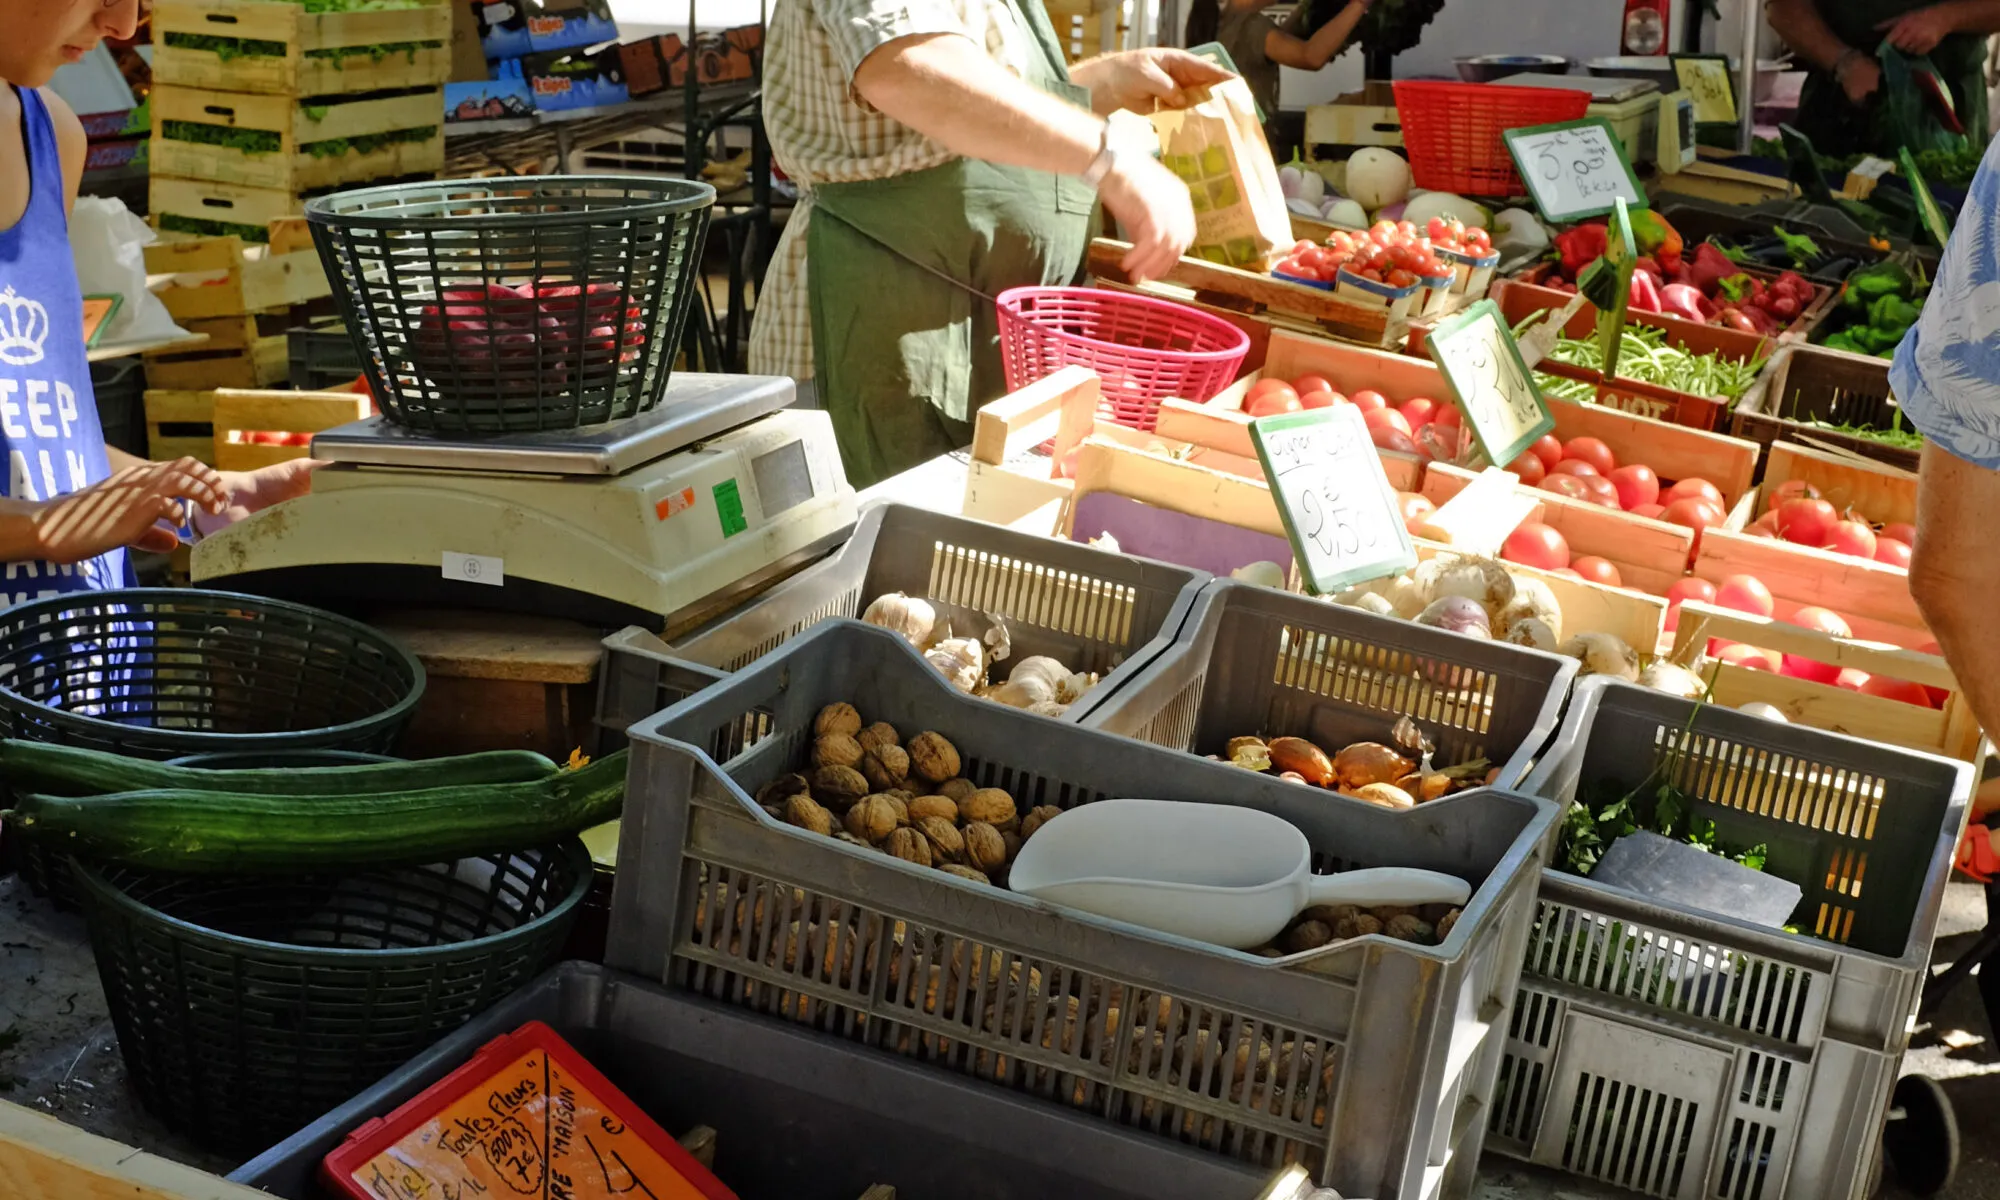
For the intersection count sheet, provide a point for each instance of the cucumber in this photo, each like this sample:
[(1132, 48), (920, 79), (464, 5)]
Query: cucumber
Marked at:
[(71, 771), (197, 831)]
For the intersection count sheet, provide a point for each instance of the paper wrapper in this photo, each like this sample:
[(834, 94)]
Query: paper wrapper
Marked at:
[(1217, 146)]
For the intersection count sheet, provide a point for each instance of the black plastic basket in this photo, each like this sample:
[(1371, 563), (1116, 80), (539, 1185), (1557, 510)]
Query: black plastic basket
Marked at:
[(246, 1007), (430, 277)]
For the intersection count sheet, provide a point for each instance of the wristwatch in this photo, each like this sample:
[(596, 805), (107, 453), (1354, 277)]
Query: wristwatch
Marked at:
[(1840, 64), (1107, 158)]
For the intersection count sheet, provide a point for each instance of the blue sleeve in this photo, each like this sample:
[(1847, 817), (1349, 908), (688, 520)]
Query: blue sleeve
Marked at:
[(1946, 375)]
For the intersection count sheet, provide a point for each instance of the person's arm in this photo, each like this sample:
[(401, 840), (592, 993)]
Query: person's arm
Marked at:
[(1312, 53), (72, 143), (1137, 80), (1955, 573), (1920, 30), (1798, 22)]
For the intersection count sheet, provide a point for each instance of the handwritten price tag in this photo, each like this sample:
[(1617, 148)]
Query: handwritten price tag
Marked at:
[(1482, 366), (1706, 80), (1339, 510), (1574, 169)]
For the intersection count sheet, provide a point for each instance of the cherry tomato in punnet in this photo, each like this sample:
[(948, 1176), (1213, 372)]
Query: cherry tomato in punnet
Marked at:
[(1598, 570), (1636, 484), (1684, 589), (1598, 490), (1592, 451), (1700, 489), (1418, 411), (1652, 511), (1528, 468), (1565, 485), (1894, 553), (1791, 489), (1745, 593), (1899, 531), (1386, 438), (1416, 509), (1806, 522), (1750, 658), (1574, 466), (1387, 418), (1549, 450), (1533, 544), (1311, 383), (1851, 537), (1368, 399), (1320, 399), (1272, 403)]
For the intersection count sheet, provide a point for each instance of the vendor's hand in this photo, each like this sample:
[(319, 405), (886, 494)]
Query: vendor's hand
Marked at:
[(1136, 79), (1918, 31), (254, 491), (1861, 80), (1152, 205), (138, 507)]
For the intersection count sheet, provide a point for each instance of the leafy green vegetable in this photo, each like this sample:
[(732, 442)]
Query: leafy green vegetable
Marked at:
[(201, 227), (368, 143), (1804, 250), (249, 141), (229, 49), (1735, 254)]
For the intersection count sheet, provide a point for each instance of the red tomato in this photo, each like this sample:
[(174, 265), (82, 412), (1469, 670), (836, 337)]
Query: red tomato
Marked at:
[(1598, 570), (1592, 451), (1387, 438), (1694, 513), (1386, 418), (1272, 403), (1851, 537), (1549, 450), (1806, 522), (1311, 383), (1906, 534), (1565, 485), (1701, 489), (1567, 573), (1938, 695), (1418, 411), (1445, 414), (1765, 526), (1533, 544), (1528, 467), (1653, 511), (1575, 466), (1598, 490), (1851, 680), (1684, 589), (1897, 689), (1825, 621), (1745, 593), (1895, 553), (1748, 657), (1416, 509), (1368, 399), (1636, 484), (1791, 489), (1266, 386)]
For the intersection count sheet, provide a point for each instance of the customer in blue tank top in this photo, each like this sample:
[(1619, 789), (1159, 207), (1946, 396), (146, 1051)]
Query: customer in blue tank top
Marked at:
[(69, 505)]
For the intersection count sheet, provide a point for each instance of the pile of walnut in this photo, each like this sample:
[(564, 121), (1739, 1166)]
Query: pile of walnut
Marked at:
[(1399, 776), (867, 787), (1324, 924), (1039, 684)]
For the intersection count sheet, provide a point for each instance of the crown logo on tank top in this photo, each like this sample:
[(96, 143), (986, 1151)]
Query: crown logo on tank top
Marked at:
[(24, 326)]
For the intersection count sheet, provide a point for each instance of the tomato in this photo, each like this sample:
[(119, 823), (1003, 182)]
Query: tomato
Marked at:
[(1650, 511), (1418, 411), (1765, 526), (1416, 509), (1851, 680), (1565, 485), (1592, 451), (1806, 522), (1273, 403), (1906, 534), (1825, 621), (1791, 489), (1699, 488), (1748, 657), (1636, 484), (1685, 589), (1368, 399), (1851, 537), (1387, 438), (1386, 418), (1263, 386), (1897, 689), (1889, 550), (1549, 450), (1695, 514), (1443, 443), (1598, 490), (1533, 544), (1598, 570), (1311, 383), (1745, 593), (1574, 466), (1567, 573), (1321, 399), (1446, 413), (1528, 467), (1401, 278)]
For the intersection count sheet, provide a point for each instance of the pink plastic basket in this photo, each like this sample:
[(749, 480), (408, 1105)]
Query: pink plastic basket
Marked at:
[(1144, 349)]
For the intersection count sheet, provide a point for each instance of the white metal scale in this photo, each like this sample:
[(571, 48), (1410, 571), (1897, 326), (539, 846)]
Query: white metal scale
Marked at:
[(639, 518)]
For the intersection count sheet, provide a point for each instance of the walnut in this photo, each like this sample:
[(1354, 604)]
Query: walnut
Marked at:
[(910, 846), (984, 848), (839, 787), (881, 733), (1038, 817), (1306, 935), (1357, 926), (933, 806), (1012, 841), (1330, 914), (965, 873), (839, 719), (805, 812), (872, 818), (836, 750), (1268, 952), (947, 844), (781, 789), (1449, 922), (1389, 912), (990, 805), (933, 758), (957, 789), (1411, 929), (885, 767), (900, 802)]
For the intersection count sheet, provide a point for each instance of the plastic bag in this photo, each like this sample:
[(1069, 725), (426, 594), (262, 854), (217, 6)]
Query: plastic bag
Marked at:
[(1908, 116), (1218, 149), (109, 246)]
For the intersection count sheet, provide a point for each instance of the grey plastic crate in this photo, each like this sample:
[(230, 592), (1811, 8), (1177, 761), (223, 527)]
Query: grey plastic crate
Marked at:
[(1251, 660), (797, 1117), (1091, 610), (1685, 1054), (322, 355), (1372, 1060)]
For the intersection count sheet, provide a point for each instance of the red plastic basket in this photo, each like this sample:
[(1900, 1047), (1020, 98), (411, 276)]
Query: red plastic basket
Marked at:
[(1451, 131), (1144, 349)]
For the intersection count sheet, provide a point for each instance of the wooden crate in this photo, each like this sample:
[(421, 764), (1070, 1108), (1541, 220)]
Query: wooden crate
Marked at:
[(236, 355), (1811, 383), (293, 168), (217, 277), (308, 64), (1088, 28), (238, 416)]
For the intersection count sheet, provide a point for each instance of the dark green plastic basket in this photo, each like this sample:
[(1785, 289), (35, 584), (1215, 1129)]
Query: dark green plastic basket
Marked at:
[(246, 1007), (430, 279)]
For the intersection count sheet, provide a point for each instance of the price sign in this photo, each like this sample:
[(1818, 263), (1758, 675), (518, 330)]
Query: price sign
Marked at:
[(1706, 80), (1621, 254), (97, 314), (1574, 169), (1927, 205), (1339, 511), (1482, 366)]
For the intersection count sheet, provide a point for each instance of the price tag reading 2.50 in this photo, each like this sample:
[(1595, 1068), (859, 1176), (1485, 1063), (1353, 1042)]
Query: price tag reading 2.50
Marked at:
[(1339, 510), (1482, 366)]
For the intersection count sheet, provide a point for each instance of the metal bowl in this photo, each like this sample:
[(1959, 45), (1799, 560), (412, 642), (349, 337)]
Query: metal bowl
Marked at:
[(1485, 68)]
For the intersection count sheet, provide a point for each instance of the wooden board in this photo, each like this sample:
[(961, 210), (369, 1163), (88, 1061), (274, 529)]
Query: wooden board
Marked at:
[(468, 644), (41, 1158), (299, 72), (237, 413), (1882, 493), (262, 363), (1874, 597), (1674, 451), (292, 168)]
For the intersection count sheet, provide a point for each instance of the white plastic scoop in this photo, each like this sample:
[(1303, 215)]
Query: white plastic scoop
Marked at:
[(1207, 872)]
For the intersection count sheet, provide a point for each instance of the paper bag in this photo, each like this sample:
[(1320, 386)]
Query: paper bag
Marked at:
[(1216, 145), (108, 245)]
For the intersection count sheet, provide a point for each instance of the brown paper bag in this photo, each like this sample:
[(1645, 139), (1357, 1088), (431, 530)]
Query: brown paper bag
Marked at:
[(1216, 145)]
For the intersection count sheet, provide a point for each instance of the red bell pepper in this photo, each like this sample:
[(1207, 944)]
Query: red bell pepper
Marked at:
[(1656, 238), (1681, 300), (1711, 266), (1580, 247), (1645, 295)]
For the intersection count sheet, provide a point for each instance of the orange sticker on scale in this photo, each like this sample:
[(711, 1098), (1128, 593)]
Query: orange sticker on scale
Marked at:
[(677, 502)]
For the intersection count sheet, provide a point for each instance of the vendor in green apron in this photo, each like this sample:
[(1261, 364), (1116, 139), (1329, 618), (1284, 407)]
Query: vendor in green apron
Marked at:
[(944, 154), (1842, 100)]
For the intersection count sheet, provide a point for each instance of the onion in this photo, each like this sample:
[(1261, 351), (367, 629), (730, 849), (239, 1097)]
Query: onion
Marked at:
[(1457, 614), (1674, 679), (1603, 654)]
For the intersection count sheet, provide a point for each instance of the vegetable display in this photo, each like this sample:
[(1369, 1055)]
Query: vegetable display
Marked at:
[(1877, 307), (1707, 288), (504, 336), (1399, 774), (1783, 249), (1645, 357), (1431, 429), (1037, 683), (1396, 253)]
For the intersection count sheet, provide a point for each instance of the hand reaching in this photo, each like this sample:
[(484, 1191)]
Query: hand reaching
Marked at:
[(1918, 31), (1152, 205), (255, 491), (1861, 80), (137, 507), (1137, 79)]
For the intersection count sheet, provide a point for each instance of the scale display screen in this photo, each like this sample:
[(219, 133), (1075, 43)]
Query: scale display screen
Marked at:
[(783, 478)]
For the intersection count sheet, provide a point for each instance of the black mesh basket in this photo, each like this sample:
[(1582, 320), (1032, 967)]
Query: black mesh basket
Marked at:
[(247, 1007), (492, 306)]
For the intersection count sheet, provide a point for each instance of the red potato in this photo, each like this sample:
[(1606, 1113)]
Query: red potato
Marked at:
[(1851, 537), (1418, 411), (1806, 522), (1599, 490), (1637, 485), (1683, 590), (1896, 554), (1747, 594), (1386, 418), (1312, 383), (1695, 488), (1574, 466), (1549, 450), (1565, 485), (1368, 399), (1321, 399), (1901, 532), (1592, 451), (1533, 544), (1416, 509), (1825, 621), (1598, 570), (1529, 468)]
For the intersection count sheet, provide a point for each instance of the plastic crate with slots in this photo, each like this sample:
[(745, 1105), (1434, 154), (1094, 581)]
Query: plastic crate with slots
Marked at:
[(1251, 660), (1684, 1054), (1091, 610), (1367, 1059)]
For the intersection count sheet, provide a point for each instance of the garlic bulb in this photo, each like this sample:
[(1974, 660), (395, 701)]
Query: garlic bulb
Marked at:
[(1071, 688), (1603, 654), (913, 619), (999, 643), (1039, 666), (1024, 692), (1048, 708), (962, 661)]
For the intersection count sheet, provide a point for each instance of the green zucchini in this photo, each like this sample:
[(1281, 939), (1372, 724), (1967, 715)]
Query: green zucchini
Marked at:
[(73, 771), (197, 831)]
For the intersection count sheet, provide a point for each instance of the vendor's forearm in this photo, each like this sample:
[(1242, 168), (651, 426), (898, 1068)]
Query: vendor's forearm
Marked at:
[(947, 89), (1798, 22), (20, 540), (122, 461), (1973, 16), (1310, 54)]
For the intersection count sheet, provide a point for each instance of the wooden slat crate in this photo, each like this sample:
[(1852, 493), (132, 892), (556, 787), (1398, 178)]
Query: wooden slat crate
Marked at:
[(245, 422), (223, 277), (1088, 28), (236, 355), (294, 131), (308, 61), (180, 424), (1806, 384)]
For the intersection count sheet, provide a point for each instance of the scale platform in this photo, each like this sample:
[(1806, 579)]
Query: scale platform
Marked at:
[(633, 521)]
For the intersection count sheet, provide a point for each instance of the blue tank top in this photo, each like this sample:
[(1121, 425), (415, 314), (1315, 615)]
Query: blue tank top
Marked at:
[(48, 412)]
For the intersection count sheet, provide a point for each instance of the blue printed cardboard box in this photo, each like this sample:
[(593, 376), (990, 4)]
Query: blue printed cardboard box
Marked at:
[(514, 28), (488, 100), (503, 27), (565, 81)]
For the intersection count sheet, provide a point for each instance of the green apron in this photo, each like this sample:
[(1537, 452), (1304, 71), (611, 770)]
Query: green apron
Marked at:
[(1839, 128), (901, 274)]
